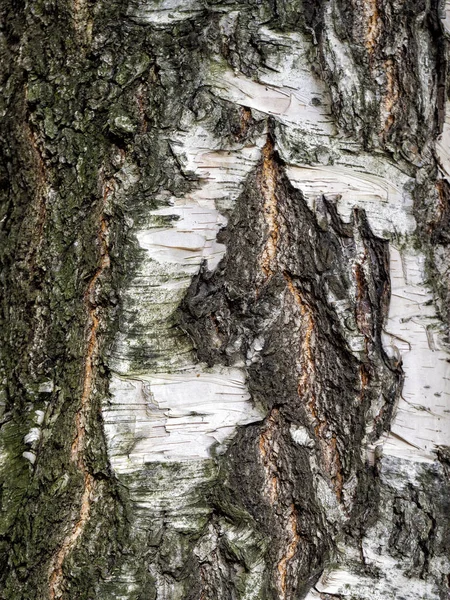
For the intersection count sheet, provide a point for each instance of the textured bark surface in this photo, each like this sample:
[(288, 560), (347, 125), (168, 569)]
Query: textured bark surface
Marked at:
[(224, 268)]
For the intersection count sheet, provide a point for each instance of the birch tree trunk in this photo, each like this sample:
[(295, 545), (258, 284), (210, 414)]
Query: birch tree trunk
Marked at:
[(225, 300)]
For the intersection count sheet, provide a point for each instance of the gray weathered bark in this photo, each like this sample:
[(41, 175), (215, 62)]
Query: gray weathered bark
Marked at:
[(225, 301)]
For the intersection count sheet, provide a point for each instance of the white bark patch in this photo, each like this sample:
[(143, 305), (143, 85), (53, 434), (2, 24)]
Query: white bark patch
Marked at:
[(175, 251), (285, 87), (182, 414), (163, 12), (343, 582), (174, 417), (291, 106), (443, 142), (383, 194), (191, 240), (40, 415), (31, 456), (164, 422), (415, 333), (32, 436), (301, 436), (192, 237), (46, 387)]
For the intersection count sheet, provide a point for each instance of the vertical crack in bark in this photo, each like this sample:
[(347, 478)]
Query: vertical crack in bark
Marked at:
[(83, 22), (245, 122), (268, 447), (78, 445), (267, 181), (329, 450), (392, 94), (267, 451), (373, 25), (291, 549), (307, 358)]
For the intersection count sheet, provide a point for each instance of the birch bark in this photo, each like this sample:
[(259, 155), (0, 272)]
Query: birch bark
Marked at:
[(224, 254)]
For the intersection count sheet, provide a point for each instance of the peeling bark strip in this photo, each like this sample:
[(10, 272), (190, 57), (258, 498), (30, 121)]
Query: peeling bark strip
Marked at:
[(241, 389)]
